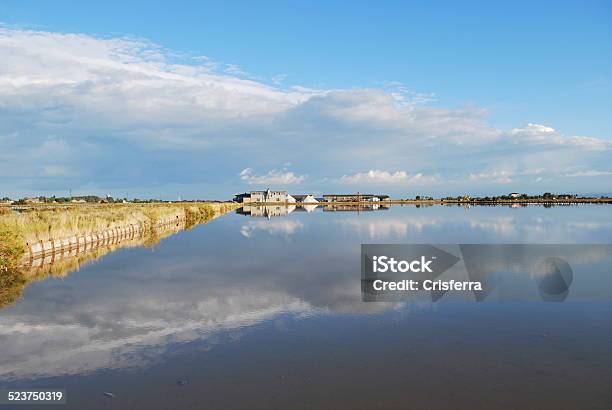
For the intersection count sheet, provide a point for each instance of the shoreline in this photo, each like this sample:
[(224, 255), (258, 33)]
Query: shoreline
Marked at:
[(441, 202)]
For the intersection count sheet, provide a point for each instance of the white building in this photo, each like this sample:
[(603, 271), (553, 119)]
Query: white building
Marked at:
[(262, 197)]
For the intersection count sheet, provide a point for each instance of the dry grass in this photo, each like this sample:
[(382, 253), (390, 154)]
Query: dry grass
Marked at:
[(44, 223), (11, 248), (11, 282)]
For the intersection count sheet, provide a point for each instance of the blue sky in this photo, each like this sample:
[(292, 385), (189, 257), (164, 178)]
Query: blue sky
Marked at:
[(403, 98)]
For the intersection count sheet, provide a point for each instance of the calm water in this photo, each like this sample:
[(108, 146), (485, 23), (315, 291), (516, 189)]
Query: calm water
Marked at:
[(256, 312)]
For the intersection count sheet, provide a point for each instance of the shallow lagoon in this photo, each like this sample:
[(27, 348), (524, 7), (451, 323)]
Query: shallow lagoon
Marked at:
[(267, 312)]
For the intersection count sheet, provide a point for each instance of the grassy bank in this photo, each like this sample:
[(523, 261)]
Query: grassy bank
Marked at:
[(18, 273), (42, 223)]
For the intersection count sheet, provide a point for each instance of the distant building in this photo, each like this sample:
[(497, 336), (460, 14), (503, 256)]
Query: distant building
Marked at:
[(514, 195), (355, 198), (262, 197), (32, 200), (305, 199)]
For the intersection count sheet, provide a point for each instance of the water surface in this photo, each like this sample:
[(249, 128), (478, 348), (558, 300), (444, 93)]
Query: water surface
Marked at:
[(266, 312)]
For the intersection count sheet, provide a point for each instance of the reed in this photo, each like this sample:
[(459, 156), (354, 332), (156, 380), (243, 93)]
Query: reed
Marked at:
[(43, 223), (11, 281), (11, 248)]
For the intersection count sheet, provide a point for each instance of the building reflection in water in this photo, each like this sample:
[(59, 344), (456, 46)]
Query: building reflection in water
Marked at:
[(356, 208), (269, 211), (266, 211)]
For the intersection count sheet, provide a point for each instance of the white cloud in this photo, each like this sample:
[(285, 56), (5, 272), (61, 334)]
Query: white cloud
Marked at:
[(541, 134), (500, 177), (279, 79), (271, 178), (588, 173), (234, 69), (389, 227), (122, 110), (131, 82), (277, 227), (55, 170), (376, 177), (379, 177)]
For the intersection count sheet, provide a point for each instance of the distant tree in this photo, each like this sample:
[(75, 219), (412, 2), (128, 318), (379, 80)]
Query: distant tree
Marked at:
[(418, 197)]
